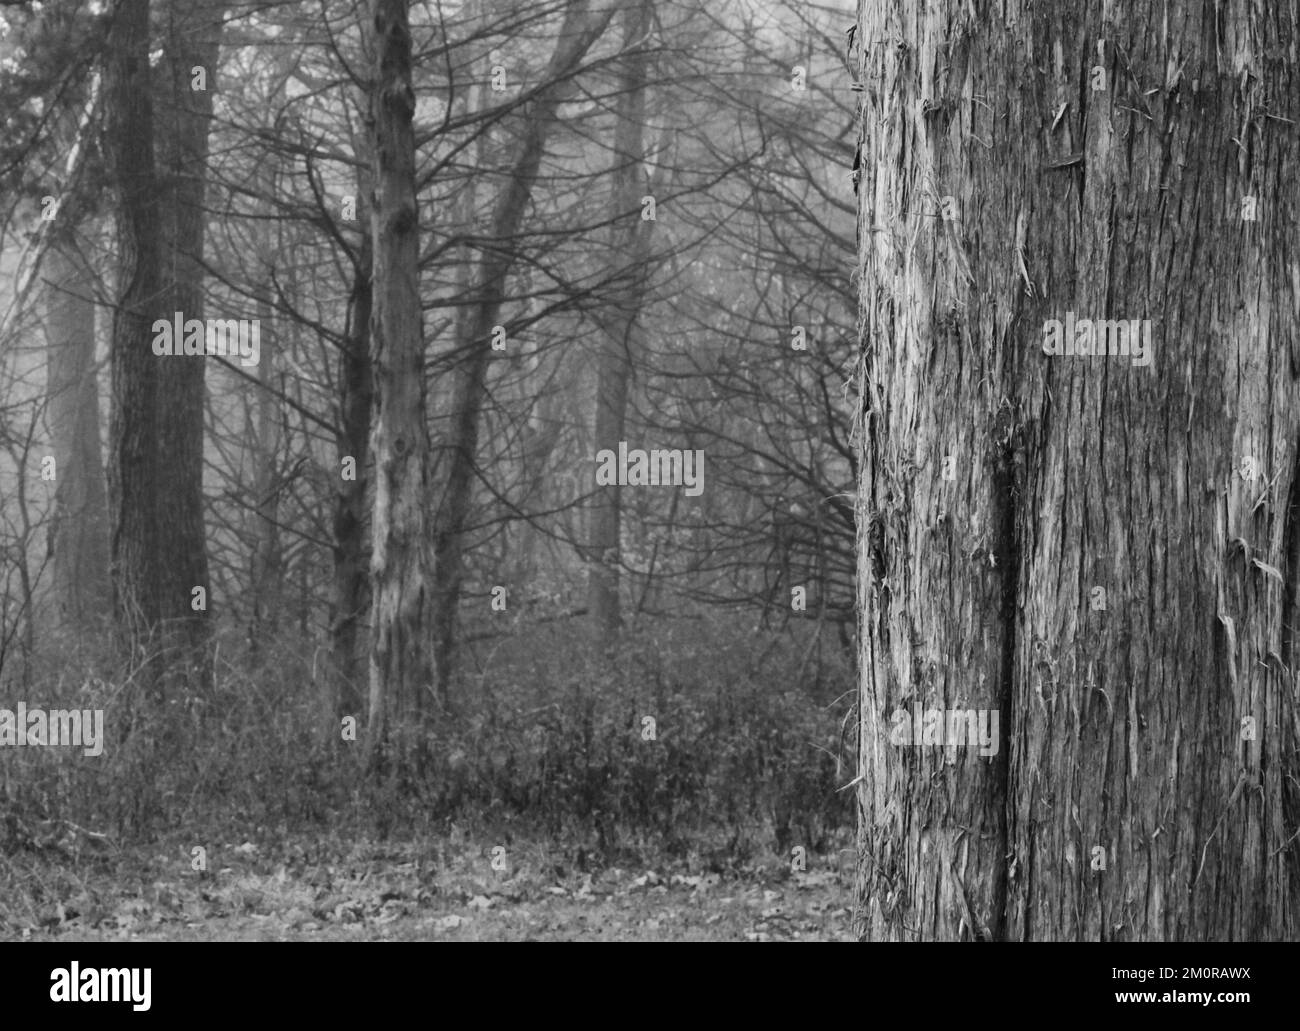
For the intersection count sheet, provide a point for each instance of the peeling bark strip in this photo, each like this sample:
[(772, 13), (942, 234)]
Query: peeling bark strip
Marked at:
[(1020, 163), (401, 671)]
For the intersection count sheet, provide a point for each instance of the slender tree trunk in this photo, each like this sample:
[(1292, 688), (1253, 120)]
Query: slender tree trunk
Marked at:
[(540, 439), (267, 572), (266, 432), (580, 29), (401, 670), (80, 529), (351, 595), (1102, 550), (629, 244)]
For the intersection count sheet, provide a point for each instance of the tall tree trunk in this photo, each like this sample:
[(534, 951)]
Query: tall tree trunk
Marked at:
[(80, 530), (401, 669), (183, 117), (579, 30), (1016, 168), (629, 243), (134, 474), (155, 469)]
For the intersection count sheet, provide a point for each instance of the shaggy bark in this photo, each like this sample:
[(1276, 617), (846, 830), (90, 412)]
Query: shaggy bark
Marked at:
[(401, 669), (1000, 189)]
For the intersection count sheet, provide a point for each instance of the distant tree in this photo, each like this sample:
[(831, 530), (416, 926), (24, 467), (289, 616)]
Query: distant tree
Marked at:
[(79, 533), (629, 246), (581, 27)]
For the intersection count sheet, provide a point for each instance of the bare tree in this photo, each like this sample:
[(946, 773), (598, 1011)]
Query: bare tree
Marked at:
[(401, 668), (580, 29), (629, 246)]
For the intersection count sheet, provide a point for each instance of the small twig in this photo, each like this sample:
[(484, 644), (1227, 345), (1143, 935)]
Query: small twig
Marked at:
[(1073, 159)]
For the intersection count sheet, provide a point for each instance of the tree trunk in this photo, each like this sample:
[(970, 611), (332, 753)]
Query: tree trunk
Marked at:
[(630, 237), (400, 664), (80, 530), (155, 471), (134, 475), (1016, 169), (183, 117), (350, 580), (580, 29), (266, 579)]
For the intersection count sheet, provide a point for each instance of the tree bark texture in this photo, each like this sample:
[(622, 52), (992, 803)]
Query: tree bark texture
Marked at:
[(1028, 163)]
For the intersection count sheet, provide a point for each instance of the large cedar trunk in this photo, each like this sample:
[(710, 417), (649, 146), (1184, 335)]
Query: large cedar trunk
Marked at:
[(1018, 166), (401, 672)]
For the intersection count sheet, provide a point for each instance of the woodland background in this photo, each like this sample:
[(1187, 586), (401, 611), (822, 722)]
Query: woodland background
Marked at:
[(377, 654), (725, 323)]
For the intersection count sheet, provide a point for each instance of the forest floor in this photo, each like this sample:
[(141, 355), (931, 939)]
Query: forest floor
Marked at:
[(307, 891)]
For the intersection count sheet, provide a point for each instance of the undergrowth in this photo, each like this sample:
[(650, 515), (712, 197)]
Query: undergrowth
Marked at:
[(687, 738)]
